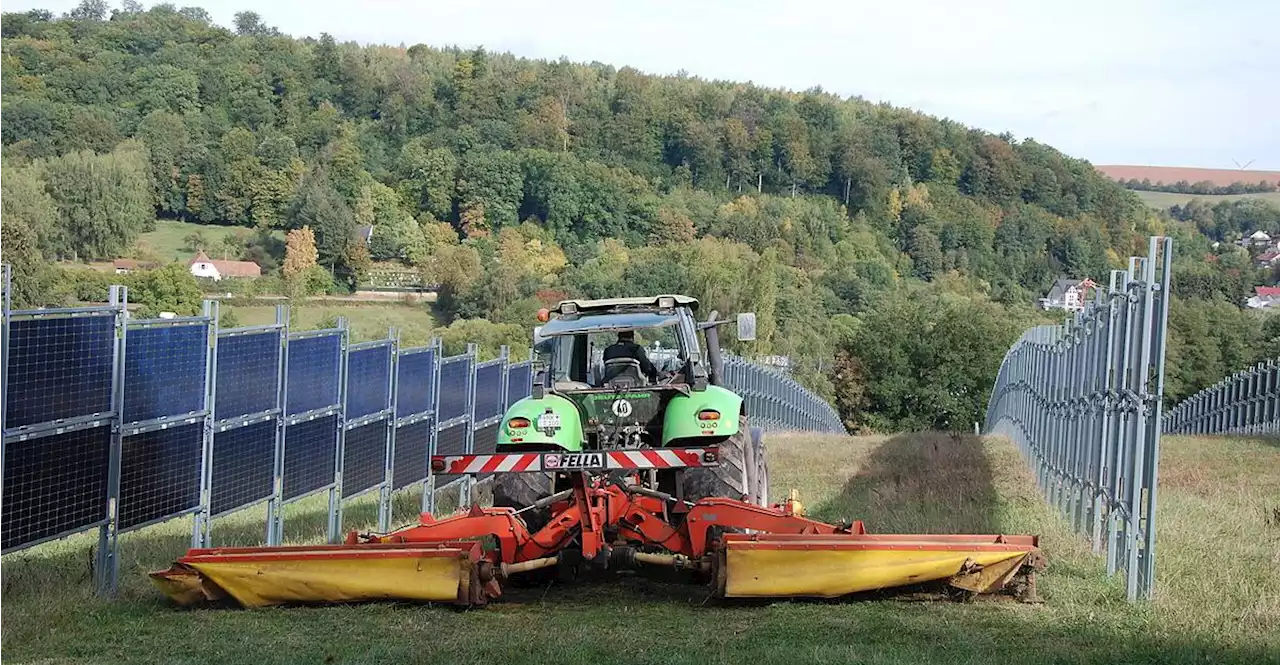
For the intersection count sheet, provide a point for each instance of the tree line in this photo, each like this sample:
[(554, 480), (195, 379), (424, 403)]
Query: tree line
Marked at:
[(893, 255), (1203, 187)]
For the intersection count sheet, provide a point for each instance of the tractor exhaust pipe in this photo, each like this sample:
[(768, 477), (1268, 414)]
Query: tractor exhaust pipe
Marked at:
[(715, 371)]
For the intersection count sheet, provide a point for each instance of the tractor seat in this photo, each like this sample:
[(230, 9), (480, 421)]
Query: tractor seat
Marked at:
[(622, 373)]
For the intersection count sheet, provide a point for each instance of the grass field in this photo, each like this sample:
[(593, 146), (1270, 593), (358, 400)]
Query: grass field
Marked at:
[(367, 321), (1165, 200), (1218, 595), (167, 242)]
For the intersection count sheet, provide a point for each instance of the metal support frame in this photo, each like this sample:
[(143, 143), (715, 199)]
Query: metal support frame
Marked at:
[(275, 505), (429, 485), (1082, 400), (6, 304), (335, 490), (106, 570), (201, 528), (389, 459), (464, 487)]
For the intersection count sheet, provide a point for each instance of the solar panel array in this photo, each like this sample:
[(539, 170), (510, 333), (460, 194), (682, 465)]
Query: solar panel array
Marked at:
[(250, 405)]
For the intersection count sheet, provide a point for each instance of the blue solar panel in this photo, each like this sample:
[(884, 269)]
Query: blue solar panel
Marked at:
[(243, 461), (489, 392), (368, 381), (313, 373), (164, 371), (519, 382), (53, 485), (453, 388), (59, 368), (412, 442), (413, 387), (309, 451), (364, 457), (247, 374), (486, 439), (160, 474)]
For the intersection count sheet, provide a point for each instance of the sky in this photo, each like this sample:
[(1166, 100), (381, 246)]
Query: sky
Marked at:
[(1168, 83)]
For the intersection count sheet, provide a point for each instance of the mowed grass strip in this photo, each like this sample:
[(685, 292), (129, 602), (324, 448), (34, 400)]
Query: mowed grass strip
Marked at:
[(368, 321), (1217, 601)]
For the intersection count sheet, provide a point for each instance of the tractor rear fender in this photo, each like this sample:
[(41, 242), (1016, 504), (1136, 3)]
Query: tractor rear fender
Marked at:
[(681, 421), (566, 433)]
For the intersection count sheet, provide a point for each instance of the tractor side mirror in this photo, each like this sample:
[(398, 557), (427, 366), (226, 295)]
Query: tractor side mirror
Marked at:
[(747, 327)]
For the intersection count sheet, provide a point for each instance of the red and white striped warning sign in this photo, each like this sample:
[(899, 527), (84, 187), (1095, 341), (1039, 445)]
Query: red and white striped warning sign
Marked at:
[(662, 458), (665, 458), (511, 463)]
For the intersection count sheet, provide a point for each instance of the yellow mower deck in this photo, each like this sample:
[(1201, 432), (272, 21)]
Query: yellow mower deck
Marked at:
[(264, 576), (765, 552), (828, 567)]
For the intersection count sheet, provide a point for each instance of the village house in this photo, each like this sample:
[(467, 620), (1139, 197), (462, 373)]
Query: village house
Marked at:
[(1256, 239), (1264, 297), (1268, 259), (1068, 294), (203, 266)]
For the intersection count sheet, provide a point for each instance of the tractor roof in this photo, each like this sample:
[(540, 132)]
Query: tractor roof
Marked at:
[(575, 324), (613, 303)]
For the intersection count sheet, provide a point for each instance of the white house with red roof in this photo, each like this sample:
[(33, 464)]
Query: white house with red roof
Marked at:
[(1265, 297), (203, 266), (1068, 294)]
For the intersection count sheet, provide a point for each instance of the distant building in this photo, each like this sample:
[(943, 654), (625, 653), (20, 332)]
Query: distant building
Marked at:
[(1268, 258), (123, 266), (1256, 239), (1068, 294), (203, 266), (365, 233), (1264, 297)]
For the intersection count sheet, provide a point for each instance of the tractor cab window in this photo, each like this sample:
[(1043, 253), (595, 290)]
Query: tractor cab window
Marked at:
[(660, 345), (573, 347)]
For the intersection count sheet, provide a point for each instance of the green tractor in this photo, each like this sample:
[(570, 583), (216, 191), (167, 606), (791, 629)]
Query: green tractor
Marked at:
[(589, 400)]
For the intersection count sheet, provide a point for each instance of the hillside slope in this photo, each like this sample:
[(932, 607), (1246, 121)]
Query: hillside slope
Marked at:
[(514, 182)]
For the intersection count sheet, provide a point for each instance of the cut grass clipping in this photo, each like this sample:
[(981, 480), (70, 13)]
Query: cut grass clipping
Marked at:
[(1217, 592)]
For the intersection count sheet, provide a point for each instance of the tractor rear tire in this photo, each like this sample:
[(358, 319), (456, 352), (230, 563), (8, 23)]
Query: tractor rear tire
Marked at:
[(521, 490), (730, 478)]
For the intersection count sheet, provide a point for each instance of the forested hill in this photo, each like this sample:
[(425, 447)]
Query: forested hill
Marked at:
[(515, 181)]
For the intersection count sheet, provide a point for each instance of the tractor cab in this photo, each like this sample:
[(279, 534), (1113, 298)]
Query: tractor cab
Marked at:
[(624, 373), (644, 348)]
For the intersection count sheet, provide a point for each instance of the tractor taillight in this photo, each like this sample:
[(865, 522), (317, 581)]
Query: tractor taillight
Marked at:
[(518, 423), (708, 415)]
